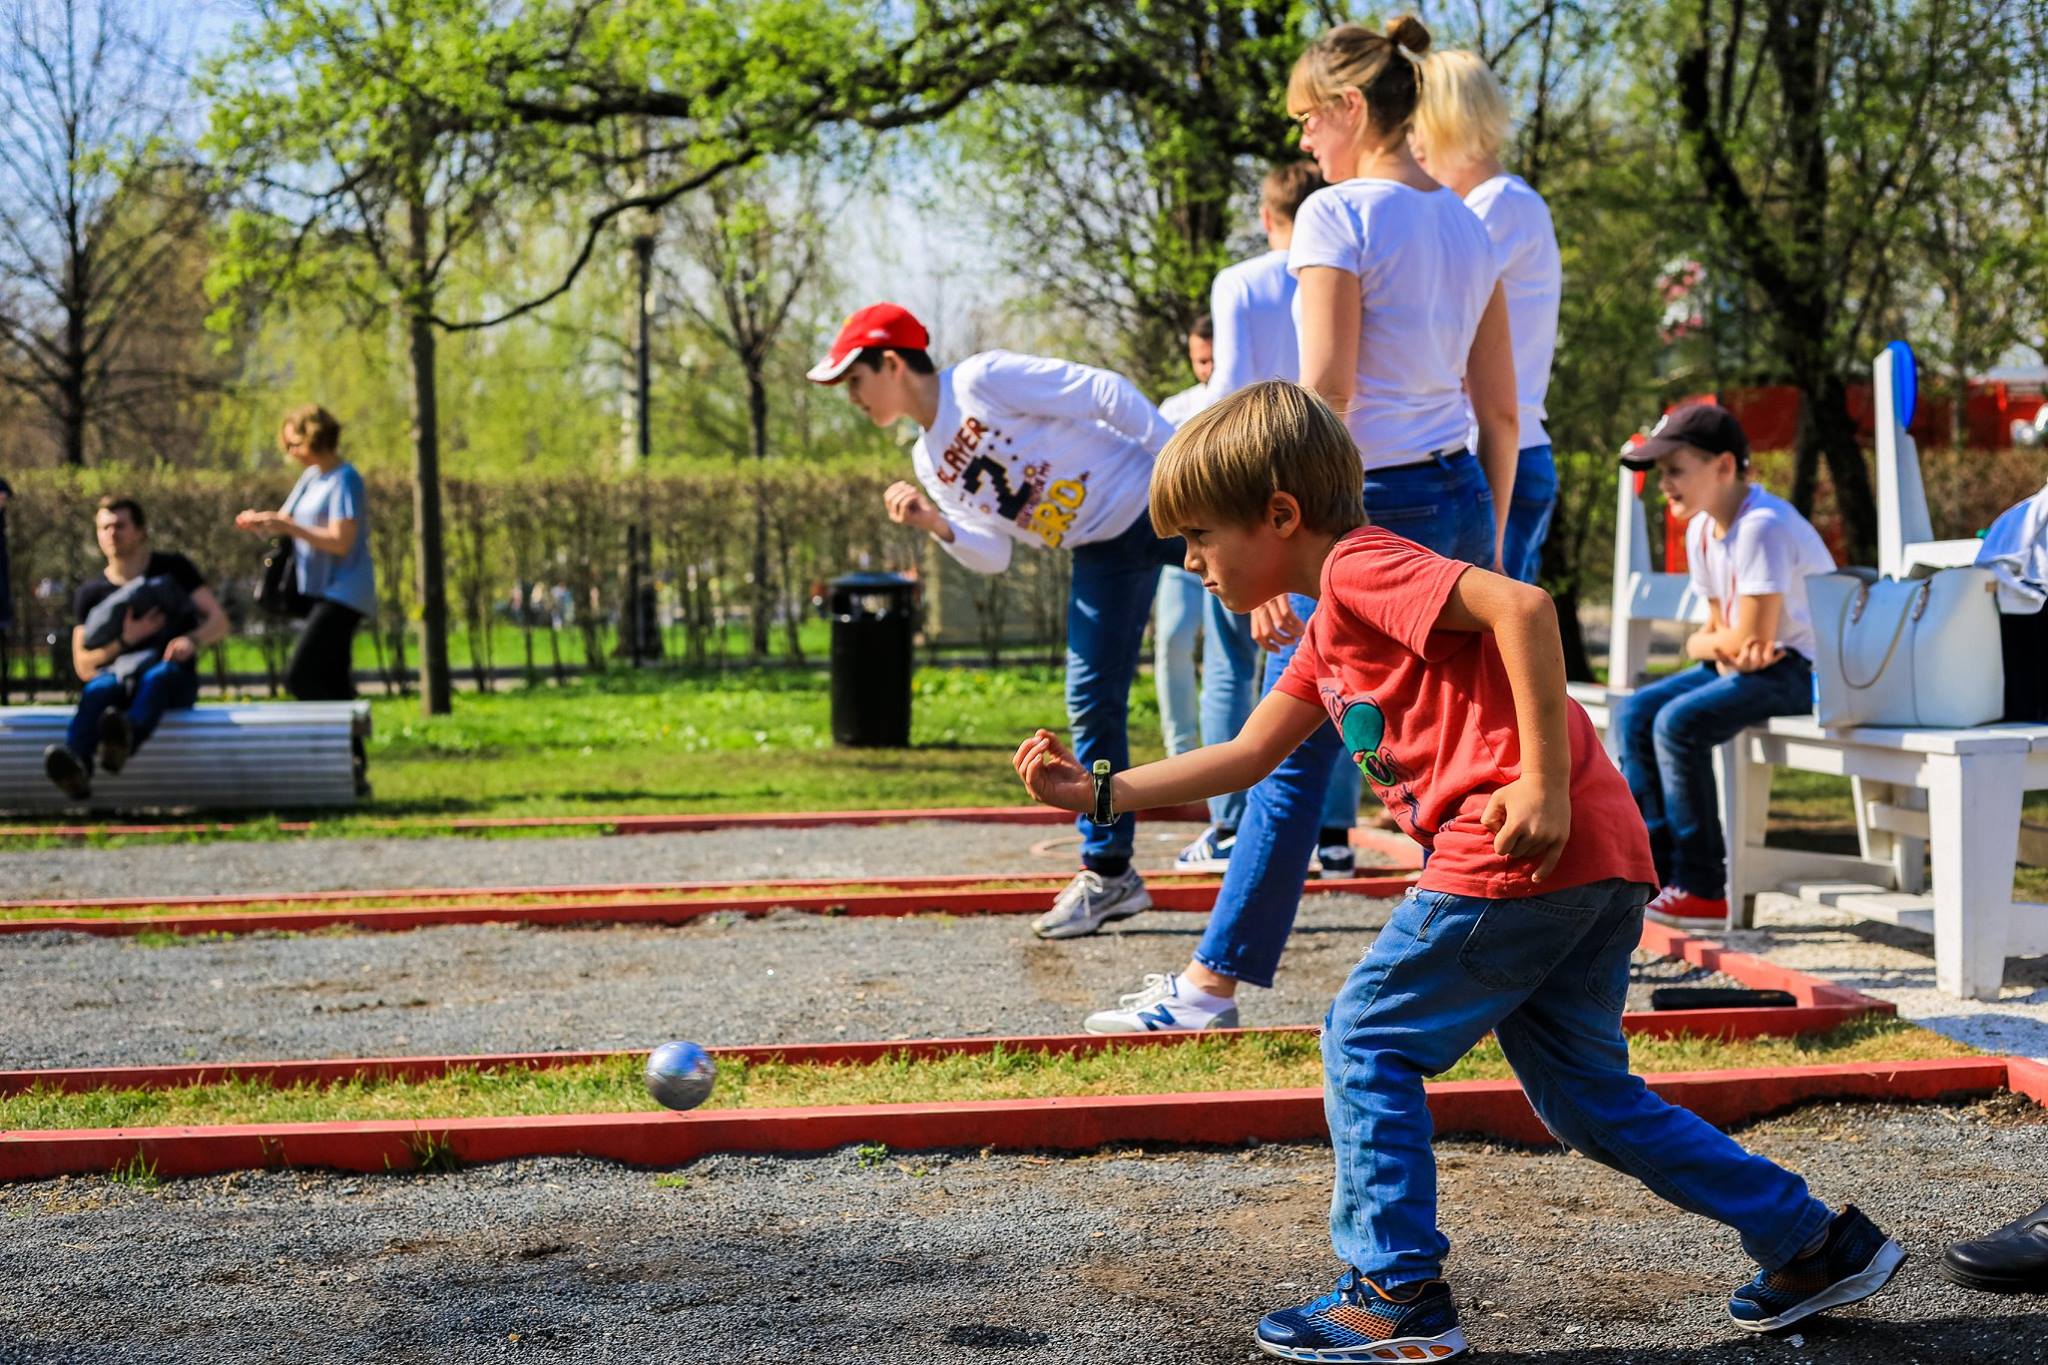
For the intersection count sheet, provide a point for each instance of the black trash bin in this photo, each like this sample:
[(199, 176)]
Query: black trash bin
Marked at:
[(873, 617)]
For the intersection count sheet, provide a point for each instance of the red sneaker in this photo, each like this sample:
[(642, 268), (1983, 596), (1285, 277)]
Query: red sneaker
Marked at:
[(1681, 909)]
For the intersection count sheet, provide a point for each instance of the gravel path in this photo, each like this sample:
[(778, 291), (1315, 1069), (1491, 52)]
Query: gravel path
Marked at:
[(725, 979), (375, 864), (1122, 1257), (1898, 965)]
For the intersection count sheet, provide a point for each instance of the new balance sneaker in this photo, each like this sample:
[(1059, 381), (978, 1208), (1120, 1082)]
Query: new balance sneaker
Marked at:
[(1855, 1260), (1090, 901), (117, 740), (1164, 1005), (1360, 1321), (1336, 861), (68, 771), (1681, 909), (1210, 852)]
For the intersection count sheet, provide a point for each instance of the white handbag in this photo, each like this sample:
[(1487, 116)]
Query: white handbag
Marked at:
[(1917, 651)]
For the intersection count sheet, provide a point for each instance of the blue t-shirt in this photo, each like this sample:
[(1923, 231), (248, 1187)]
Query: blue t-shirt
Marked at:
[(317, 499)]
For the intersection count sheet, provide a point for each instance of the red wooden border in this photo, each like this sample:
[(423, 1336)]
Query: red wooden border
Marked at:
[(1754, 971), (1728, 1023), (1491, 1108), (635, 824), (1199, 897)]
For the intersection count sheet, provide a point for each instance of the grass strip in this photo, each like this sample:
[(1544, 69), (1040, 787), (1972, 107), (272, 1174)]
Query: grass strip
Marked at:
[(1259, 1062)]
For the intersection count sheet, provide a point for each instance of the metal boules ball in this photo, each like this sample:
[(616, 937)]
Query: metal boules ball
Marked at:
[(680, 1075)]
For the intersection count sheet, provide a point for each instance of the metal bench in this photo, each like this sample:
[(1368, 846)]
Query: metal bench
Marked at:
[(261, 756)]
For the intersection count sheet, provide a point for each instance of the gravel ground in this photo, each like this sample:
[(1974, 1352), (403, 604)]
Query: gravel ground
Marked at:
[(787, 977), (1898, 965), (1121, 1257), (312, 864)]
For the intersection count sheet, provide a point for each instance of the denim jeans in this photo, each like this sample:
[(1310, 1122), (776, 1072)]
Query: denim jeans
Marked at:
[(1547, 975), (1442, 504), (1231, 671), (1529, 509), (1176, 628), (164, 686), (1669, 731), (1108, 603)]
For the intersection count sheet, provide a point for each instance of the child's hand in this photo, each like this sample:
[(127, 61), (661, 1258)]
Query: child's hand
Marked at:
[(1528, 822), (1053, 776), (1755, 655)]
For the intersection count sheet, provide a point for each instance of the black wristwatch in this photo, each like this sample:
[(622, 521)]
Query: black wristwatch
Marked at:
[(1102, 815)]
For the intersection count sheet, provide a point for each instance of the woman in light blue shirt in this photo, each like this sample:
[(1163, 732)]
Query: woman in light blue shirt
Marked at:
[(328, 518)]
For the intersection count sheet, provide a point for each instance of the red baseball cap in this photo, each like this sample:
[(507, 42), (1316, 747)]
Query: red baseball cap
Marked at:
[(878, 324)]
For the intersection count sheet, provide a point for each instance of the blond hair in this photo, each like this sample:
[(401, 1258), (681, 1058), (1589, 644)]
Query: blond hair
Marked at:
[(313, 424), (1464, 111), (1382, 67), (1226, 463)]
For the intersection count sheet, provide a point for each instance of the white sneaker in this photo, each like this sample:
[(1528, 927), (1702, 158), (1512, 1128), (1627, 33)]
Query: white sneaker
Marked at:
[(1210, 852), (1090, 901), (1158, 1008)]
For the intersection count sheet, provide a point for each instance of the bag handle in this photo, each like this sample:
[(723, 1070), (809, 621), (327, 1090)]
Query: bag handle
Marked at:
[(1858, 602)]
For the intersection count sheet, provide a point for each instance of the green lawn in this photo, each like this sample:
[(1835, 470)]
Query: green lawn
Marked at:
[(1260, 1062)]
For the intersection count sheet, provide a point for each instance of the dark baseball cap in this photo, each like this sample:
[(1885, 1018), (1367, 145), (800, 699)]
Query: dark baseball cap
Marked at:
[(1703, 426)]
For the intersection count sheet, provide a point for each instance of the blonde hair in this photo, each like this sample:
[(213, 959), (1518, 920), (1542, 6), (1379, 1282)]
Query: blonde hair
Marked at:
[(1382, 67), (1227, 461), (1464, 111), (315, 425)]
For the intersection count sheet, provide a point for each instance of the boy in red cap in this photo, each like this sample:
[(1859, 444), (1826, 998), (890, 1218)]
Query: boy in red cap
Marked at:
[(1017, 448)]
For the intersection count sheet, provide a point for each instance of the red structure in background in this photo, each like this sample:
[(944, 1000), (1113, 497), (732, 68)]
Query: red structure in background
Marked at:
[(1769, 413)]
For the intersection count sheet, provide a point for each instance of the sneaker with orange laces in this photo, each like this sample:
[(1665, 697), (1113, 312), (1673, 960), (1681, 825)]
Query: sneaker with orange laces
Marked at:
[(1360, 1321), (1681, 909)]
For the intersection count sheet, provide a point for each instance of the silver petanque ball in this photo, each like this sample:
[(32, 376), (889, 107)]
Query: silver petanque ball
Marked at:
[(679, 1075)]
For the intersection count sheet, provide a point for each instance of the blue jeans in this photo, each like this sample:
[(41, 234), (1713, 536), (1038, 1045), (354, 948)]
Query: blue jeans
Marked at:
[(1529, 509), (1176, 629), (1548, 976), (163, 687), (1108, 604), (1442, 504), (1231, 670), (1669, 731)]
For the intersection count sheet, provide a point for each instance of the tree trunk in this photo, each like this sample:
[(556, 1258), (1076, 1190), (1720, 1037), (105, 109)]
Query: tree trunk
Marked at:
[(1827, 433), (436, 686), (757, 420)]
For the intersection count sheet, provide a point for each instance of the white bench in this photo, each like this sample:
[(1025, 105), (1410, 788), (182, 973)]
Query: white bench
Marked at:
[(1954, 793), (263, 756)]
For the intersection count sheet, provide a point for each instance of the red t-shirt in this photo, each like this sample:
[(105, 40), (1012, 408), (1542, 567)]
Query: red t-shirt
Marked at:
[(1429, 715)]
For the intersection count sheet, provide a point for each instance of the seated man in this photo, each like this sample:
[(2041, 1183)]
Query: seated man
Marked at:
[(150, 667), (1750, 554)]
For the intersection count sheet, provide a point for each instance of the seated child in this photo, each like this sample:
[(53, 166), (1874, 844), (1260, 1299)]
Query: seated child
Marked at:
[(1750, 553), (1447, 685)]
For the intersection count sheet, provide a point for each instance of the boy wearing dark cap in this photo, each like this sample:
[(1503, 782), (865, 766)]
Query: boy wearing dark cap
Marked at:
[(1749, 553), (1021, 449)]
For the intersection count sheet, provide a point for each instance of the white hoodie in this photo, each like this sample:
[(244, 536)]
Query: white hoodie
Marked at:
[(1035, 450)]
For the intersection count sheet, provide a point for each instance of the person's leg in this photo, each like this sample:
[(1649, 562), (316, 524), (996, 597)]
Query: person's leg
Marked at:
[(321, 664), (164, 687), (1685, 735), (1176, 627), (1535, 498), (1635, 720), (1566, 1046), (1230, 677), (83, 738)]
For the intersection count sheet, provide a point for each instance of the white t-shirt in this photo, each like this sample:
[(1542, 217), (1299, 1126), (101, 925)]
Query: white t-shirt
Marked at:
[(1425, 269), (1040, 451), (1251, 304), (1177, 408), (1769, 548), (1532, 276)]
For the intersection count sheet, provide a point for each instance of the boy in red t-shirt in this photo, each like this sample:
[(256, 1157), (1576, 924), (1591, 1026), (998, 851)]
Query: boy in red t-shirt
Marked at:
[(1447, 684)]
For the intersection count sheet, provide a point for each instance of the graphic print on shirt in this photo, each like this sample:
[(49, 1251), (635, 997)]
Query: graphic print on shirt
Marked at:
[(974, 460), (1364, 726)]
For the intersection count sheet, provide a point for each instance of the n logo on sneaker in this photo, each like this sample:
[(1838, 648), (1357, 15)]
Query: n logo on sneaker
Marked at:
[(1158, 1017)]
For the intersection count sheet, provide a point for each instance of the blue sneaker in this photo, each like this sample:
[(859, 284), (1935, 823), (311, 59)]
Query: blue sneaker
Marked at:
[(1210, 852), (1854, 1262), (1360, 1321)]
